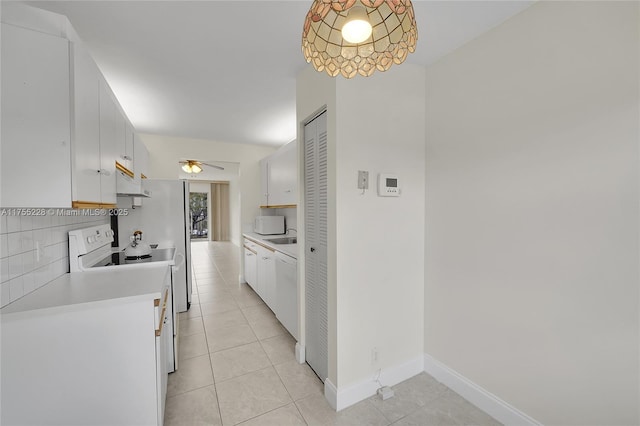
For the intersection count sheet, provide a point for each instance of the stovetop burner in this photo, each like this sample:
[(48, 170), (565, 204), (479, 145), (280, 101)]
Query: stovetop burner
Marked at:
[(144, 256), (118, 258)]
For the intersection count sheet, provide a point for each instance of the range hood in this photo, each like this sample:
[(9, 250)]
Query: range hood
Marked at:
[(126, 186)]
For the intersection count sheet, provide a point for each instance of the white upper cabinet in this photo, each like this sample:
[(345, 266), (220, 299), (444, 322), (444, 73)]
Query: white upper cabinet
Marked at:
[(124, 139), (93, 153), (264, 182), (124, 145), (141, 157), (63, 130), (108, 171), (281, 177), (36, 134)]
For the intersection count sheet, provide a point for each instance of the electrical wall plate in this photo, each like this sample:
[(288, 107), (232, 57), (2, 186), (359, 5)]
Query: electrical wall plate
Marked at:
[(388, 185), (363, 179)]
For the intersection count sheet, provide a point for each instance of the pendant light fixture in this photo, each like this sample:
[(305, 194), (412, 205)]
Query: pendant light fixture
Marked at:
[(350, 37)]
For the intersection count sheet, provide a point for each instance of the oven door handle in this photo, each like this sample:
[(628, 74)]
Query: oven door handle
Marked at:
[(179, 261)]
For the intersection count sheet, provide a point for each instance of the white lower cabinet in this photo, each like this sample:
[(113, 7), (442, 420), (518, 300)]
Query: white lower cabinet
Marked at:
[(164, 341), (102, 363), (266, 287), (250, 263), (274, 277), (286, 293)]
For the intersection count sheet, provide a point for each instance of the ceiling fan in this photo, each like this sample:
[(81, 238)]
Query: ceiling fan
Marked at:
[(195, 166)]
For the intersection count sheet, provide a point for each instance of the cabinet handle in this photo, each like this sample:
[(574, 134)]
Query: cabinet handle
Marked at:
[(163, 312), (162, 315)]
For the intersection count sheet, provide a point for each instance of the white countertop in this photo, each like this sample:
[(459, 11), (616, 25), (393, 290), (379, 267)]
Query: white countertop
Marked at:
[(82, 289), (288, 249)]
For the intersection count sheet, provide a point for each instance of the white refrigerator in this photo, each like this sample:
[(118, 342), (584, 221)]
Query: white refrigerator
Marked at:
[(164, 219)]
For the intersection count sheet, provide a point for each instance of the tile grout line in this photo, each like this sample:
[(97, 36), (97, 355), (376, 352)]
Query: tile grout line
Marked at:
[(213, 378), (272, 366)]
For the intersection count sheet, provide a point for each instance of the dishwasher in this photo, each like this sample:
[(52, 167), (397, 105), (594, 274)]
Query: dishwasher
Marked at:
[(287, 292)]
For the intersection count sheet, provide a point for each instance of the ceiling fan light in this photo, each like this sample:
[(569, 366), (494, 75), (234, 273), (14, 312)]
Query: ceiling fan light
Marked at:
[(186, 167), (196, 168)]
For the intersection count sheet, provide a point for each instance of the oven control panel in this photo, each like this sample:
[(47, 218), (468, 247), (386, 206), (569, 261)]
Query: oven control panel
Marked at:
[(89, 239)]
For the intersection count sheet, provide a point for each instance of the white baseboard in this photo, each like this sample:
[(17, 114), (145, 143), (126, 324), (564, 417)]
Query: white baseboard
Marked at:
[(331, 394), (481, 398), (340, 399), (300, 353)]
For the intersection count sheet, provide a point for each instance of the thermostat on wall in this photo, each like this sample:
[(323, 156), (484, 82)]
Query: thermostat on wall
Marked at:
[(388, 185)]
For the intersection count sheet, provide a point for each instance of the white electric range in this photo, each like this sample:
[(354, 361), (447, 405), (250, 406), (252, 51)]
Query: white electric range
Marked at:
[(90, 250)]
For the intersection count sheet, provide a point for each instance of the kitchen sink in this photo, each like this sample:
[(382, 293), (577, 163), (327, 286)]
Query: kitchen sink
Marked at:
[(283, 240)]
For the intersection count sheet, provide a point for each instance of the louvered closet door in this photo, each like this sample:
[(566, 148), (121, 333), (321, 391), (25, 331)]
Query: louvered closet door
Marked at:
[(315, 176)]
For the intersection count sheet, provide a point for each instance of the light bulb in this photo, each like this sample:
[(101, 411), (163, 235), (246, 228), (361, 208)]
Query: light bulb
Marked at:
[(357, 28), (196, 168), (186, 168)]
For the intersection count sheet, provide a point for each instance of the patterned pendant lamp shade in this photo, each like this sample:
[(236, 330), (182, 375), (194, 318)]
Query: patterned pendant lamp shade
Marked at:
[(394, 36)]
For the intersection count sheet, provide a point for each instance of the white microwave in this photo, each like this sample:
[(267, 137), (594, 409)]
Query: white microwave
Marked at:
[(269, 225)]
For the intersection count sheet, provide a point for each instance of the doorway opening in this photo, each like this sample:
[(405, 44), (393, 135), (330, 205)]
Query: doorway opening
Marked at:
[(210, 211), (199, 212)]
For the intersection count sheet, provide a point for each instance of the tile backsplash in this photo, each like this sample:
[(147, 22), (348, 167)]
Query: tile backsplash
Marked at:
[(290, 217), (34, 250)]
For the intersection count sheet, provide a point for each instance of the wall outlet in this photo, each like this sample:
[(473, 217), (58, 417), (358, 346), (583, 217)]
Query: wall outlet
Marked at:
[(363, 179)]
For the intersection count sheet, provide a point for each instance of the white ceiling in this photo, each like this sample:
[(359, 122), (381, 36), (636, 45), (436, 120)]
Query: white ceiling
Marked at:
[(226, 70)]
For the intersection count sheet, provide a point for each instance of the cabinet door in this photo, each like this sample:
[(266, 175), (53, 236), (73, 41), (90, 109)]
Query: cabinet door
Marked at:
[(108, 171), (108, 122), (36, 127), (162, 347), (286, 304), (86, 129), (141, 157), (264, 182), (128, 153), (283, 176), (315, 190), (250, 265), (121, 139), (266, 288)]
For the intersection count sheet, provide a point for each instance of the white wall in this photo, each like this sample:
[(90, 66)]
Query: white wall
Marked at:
[(380, 240), (165, 152), (532, 212), (375, 245)]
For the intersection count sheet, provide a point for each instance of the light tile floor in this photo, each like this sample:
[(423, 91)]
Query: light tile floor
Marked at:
[(237, 366)]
